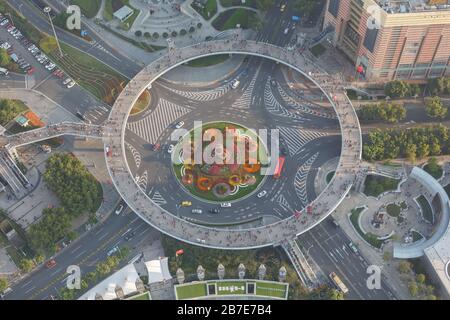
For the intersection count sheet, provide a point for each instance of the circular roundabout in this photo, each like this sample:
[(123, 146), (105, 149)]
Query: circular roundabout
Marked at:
[(224, 184)]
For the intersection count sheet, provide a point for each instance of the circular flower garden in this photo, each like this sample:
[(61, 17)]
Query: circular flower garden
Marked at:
[(231, 159)]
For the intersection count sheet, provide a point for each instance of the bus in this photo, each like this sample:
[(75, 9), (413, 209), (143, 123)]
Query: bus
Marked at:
[(279, 167), (338, 282)]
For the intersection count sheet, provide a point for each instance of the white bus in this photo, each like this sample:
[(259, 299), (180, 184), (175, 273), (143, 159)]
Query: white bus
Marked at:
[(4, 71)]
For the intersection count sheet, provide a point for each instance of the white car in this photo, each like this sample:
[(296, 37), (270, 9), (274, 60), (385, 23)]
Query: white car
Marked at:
[(235, 84), (170, 149), (179, 124), (353, 247), (71, 84), (112, 251), (66, 82), (225, 204), (262, 194), (199, 211), (119, 209), (50, 66), (4, 22), (286, 31)]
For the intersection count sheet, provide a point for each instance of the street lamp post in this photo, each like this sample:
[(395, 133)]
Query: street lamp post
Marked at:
[(47, 10)]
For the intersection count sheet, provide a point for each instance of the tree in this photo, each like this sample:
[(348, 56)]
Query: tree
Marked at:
[(3, 284), (404, 267), (431, 297), (334, 294), (147, 35), (26, 265), (39, 258), (396, 89), (138, 33), (4, 58), (53, 226), (420, 278), (305, 7), (413, 289), (434, 108), (155, 35), (411, 152), (9, 109)]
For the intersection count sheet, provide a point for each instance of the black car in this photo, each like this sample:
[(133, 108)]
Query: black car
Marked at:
[(214, 210)]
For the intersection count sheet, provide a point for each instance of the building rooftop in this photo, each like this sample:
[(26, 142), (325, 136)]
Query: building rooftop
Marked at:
[(410, 6)]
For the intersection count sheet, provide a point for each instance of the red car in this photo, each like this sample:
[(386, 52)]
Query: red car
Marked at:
[(50, 264), (31, 71)]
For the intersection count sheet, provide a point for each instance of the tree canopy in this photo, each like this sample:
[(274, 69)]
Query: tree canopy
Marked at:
[(76, 188), (401, 89), (4, 58), (390, 112), (439, 85), (435, 108), (9, 109)]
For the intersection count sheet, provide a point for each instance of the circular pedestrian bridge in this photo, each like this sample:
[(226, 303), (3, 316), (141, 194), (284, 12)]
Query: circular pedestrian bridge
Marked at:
[(233, 238)]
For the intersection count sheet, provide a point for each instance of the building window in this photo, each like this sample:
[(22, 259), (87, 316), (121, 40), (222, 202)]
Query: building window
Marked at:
[(333, 7), (420, 70), (370, 39), (403, 71)]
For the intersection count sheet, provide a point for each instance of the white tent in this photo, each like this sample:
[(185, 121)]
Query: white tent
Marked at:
[(158, 270)]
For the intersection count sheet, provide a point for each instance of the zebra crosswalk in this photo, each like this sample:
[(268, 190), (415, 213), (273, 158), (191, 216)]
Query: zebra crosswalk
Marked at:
[(244, 101), (203, 96), (136, 155), (297, 138), (158, 199), (304, 107), (152, 126), (300, 179), (96, 114), (274, 107)]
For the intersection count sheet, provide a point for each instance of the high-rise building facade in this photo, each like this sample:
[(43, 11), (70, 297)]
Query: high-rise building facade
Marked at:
[(406, 39)]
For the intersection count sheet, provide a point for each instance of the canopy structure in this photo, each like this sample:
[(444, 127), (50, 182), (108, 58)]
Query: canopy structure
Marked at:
[(158, 270)]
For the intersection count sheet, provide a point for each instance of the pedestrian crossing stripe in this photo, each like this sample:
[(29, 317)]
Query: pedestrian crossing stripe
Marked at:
[(153, 125), (302, 107), (284, 204), (297, 138), (274, 107), (142, 181), (203, 96), (300, 179), (244, 101)]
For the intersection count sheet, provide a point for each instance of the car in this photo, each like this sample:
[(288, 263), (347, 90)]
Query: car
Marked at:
[(286, 31), (197, 211), (112, 251), (353, 247), (31, 70), (50, 66), (65, 82), (262, 194), (214, 210), (283, 7), (235, 84), (129, 236), (119, 209), (225, 204), (71, 84), (156, 147), (170, 149), (179, 124), (186, 204), (336, 224), (50, 264)]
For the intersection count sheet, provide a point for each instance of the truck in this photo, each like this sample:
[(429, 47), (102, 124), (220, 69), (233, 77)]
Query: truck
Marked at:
[(338, 283), (4, 71)]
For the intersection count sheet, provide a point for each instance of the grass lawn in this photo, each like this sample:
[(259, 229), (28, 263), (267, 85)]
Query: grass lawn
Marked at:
[(88, 7), (90, 73), (143, 296), (190, 291), (9, 109), (208, 10), (142, 103), (435, 172), (393, 210), (318, 50), (330, 176), (236, 3), (376, 185), (231, 287), (230, 18), (208, 61), (368, 237), (277, 290), (427, 212)]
